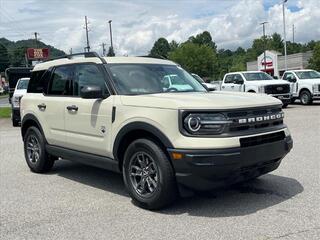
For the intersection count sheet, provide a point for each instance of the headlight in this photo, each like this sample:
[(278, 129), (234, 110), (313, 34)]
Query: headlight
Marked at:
[(16, 102), (204, 123), (261, 89)]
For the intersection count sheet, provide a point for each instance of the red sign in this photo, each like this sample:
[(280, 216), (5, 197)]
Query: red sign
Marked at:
[(37, 53)]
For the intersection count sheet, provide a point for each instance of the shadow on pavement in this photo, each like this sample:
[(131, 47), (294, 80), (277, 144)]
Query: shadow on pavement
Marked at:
[(238, 200)]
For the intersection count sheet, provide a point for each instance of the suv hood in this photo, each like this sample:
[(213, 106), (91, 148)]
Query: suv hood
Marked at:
[(206, 100), (266, 82)]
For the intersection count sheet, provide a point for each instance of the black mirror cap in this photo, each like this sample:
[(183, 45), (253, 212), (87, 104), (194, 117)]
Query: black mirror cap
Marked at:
[(91, 92), (239, 81)]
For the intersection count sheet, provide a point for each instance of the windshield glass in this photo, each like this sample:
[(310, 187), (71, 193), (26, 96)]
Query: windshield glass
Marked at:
[(257, 76), (132, 79), (308, 74), (197, 77), (23, 84)]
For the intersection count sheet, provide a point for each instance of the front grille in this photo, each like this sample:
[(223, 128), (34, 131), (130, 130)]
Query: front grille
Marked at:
[(277, 89), (236, 116), (262, 139), (319, 88)]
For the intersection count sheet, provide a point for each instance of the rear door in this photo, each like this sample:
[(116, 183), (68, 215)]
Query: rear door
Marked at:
[(88, 121), (51, 105)]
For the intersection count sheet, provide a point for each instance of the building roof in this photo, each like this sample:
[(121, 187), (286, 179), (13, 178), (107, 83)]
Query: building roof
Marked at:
[(111, 60)]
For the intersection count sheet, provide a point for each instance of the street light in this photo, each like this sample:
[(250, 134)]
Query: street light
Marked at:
[(284, 34), (264, 45), (110, 21)]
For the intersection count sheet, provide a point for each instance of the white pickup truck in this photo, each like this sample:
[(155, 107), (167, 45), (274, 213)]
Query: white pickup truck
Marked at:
[(305, 85), (257, 82)]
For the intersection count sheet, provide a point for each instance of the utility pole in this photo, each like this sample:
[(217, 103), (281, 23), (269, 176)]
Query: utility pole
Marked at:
[(292, 33), (110, 28), (103, 45), (87, 34), (284, 34), (264, 45), (70, 51), (36, 38)]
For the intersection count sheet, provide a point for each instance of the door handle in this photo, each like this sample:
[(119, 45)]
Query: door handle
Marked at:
[(72, 108), (232, 86), (42, 107), (222, 87)]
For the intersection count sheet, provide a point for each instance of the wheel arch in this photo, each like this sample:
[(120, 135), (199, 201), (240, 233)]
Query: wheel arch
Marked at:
[(28, 121), (136, 130), (304, 89)]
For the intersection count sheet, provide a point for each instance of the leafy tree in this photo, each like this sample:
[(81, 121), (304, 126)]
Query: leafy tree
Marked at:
[(195, 58), (4, 58), (203, 39), (314, 62), (110, 52), (161, 48), (173, 45)]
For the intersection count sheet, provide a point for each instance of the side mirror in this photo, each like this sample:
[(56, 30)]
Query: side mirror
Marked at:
[(275, 77), (292, 80), (91, 92), (205, 86)]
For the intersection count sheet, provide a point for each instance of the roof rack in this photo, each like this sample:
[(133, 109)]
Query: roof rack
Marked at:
[(85, 54), (154, 56)]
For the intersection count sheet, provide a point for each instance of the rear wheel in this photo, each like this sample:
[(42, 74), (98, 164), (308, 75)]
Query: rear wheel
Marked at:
[(148, 175), (305, 97), (37, 158)]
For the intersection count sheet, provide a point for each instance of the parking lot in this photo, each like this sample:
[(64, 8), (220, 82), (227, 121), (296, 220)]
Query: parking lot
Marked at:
[(80, 202)]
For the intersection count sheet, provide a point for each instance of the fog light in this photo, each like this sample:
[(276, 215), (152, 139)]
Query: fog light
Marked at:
[(176, 156)]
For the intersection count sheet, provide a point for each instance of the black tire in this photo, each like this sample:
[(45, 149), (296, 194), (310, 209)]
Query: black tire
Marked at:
[(44, 162), (293, 100), (284, 105), (166, 190), (305, 97)]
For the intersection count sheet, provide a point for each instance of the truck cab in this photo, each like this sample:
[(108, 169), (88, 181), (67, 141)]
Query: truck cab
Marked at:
[(257, 82), (305, 85)]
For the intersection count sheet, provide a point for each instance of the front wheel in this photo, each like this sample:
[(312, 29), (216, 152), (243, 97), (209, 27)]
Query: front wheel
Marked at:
[(305, 97), (148, 175), (37, 158)]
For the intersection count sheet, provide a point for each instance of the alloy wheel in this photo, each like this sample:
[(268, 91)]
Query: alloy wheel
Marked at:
[(33, 149)]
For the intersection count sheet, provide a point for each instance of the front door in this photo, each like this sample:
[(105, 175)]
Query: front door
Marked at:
[(88, 121)]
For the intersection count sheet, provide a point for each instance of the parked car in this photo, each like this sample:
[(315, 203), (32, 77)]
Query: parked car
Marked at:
[(117, 113), (173, 82), (305, 85), (19, 91), (257, 82), (209, 86)]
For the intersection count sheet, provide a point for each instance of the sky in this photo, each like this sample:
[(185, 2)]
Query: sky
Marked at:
[(136, 24)]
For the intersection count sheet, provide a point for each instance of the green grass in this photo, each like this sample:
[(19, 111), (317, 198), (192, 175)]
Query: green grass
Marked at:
[(4, 96), (5, 112)]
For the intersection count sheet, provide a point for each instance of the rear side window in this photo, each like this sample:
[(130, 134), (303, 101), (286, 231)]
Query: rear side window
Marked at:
[(36, 83), (60, 83)]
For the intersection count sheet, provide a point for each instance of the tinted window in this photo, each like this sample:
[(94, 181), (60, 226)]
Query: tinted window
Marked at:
[(61, 81), (87, 74), (36, 82), (229, 78)]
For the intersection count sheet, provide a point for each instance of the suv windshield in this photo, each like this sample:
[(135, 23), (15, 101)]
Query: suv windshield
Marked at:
[(23, 84), (308, 74), (257, 76), (132, 79)]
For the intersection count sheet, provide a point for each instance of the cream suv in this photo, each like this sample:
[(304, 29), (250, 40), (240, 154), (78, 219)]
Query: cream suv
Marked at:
[(115, 113)]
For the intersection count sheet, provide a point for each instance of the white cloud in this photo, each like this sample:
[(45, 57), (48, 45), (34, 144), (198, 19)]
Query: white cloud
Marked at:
[(137, 24)]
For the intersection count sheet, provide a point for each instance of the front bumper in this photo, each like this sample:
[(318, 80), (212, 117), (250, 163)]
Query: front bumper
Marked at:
[(316, 95), (209, 169), (16, 115)]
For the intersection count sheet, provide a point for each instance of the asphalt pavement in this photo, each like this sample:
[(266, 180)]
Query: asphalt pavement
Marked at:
[(80, 202)]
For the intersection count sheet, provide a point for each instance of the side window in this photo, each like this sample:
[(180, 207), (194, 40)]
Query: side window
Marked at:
[(285, 76), (237, 77), (61, 81), (36, 83), (88, 74), (229, 78), (289, 76)]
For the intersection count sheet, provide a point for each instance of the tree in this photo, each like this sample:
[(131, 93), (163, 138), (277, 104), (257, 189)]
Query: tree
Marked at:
[(173, 45), (4, 58), (314, 62), (110, 52), (161, 48), (203, 39), (195, 58)]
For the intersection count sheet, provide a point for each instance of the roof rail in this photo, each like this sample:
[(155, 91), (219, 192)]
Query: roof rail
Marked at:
[(85, 54), (154, 56)]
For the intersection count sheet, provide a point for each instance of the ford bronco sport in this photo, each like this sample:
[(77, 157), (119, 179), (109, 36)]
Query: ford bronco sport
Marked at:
[(115, 113)]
